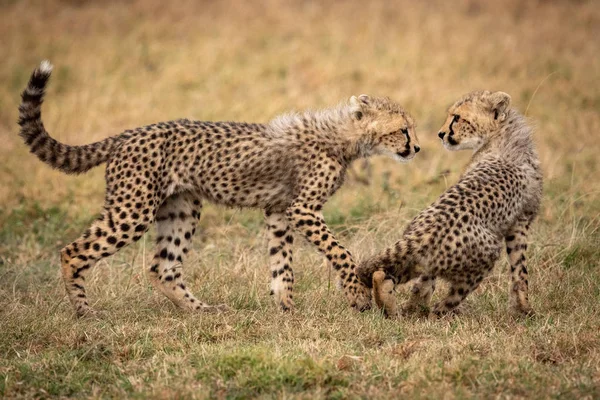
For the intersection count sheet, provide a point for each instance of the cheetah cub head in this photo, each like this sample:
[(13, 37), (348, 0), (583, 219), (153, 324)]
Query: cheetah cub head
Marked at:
[(385, 127), (474, 119)]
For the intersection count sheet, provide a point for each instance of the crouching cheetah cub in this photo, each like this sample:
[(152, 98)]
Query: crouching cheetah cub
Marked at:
[(460, 236), (161, 173)]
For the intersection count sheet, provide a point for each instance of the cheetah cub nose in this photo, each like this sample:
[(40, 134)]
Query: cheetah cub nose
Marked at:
[(441, 134), (417, 149)]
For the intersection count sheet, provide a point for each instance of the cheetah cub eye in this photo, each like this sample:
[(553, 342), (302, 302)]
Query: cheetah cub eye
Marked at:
[(384, 127), (472, 120)]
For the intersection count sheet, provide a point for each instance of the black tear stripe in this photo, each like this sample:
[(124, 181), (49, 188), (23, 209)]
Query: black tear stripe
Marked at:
[(406, 151), (455, 119)]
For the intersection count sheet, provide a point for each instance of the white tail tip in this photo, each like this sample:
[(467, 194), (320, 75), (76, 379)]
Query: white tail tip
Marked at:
[(45, 67)]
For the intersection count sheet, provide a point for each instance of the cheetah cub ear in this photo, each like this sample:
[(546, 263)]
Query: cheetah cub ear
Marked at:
[(499, 102), (357, 105)]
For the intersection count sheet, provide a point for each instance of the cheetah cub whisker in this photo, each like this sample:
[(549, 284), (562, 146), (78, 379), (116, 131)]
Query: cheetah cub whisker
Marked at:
[(460, 237), (161, 173)]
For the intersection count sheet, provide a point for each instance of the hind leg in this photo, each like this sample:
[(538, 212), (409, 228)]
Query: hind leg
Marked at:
[(460, 287), (466, 272), (112, 231), (176, 222), (280, 259), (516, 246), (421, 293), (456, 294)]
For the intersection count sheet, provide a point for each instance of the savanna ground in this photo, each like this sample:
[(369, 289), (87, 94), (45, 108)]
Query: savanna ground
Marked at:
[(124, 64)]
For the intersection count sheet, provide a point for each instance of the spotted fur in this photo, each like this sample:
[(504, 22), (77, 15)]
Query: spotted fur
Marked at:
[(460, 236), (68, 159), (161, 173)]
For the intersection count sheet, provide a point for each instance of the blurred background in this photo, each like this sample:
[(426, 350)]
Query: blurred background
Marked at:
[(124, 64)]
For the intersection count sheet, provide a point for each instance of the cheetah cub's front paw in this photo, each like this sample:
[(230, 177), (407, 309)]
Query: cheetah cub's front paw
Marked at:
[(414, 309), (286, 304), (520, 311), (90, 313), (383, 290), (216, 309), (284, 300)]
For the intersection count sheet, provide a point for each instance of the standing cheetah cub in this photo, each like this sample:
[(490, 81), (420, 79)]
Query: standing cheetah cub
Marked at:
[(161, 173), (460, 236)]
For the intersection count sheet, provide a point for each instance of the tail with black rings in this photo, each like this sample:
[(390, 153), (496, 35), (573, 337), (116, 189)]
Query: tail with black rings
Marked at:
[(68, 159)]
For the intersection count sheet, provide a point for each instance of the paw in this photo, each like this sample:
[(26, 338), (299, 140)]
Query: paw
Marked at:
[(432, 316), (216, 309), (414, 309), (439, 314), (519, 303), (222, 308), (286, 305), (522, 311), (440, 311), (284, 299), (88, 312)]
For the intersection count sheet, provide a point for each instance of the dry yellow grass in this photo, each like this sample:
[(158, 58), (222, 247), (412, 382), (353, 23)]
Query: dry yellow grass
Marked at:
[(125, 64)]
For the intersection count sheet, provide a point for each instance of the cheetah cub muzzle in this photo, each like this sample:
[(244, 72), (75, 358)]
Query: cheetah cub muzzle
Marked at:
[(459, 238), (162, 173)]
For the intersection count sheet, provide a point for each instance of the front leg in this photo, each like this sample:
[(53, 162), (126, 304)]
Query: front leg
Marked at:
[(516, 246), (280, 259), (306, 219)]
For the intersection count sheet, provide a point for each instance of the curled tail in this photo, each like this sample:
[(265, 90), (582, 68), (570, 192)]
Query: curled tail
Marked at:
[(383, 291), (68, 159), (394, 262)]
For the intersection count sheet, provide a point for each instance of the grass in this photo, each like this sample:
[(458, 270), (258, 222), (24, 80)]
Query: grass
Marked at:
[(125, 64)]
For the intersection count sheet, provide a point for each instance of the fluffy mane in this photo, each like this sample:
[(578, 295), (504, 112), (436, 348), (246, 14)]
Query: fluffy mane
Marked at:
[(333, 122), (513, 141)]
